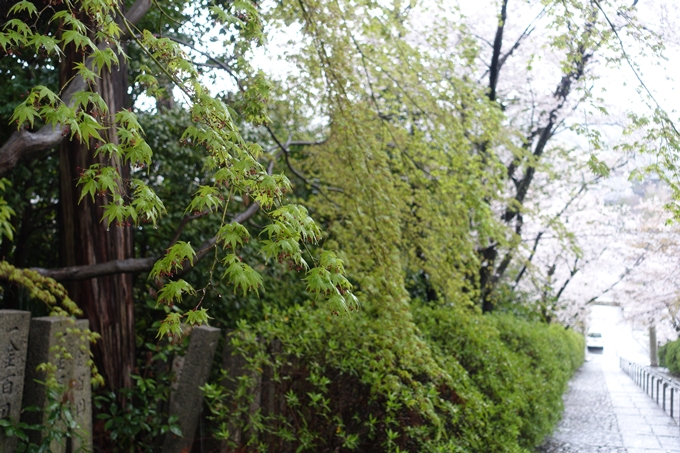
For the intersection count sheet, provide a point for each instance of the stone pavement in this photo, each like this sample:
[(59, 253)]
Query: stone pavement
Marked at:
[(606, 412)]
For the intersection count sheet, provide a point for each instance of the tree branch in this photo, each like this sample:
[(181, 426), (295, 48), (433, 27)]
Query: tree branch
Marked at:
[(528, 261), (28, 145), (130, 265), (284, 148), (133, 265), (494, 69), (635, 71), (572, 272), (621, 277)]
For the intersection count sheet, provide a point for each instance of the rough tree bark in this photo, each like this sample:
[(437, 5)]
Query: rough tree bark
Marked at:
[(106, 301)]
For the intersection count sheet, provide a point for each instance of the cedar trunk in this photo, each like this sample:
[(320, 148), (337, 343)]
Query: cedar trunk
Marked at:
[(106, 301)]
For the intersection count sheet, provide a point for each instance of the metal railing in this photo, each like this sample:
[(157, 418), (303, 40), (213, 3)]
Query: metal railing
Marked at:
[(657, 385)]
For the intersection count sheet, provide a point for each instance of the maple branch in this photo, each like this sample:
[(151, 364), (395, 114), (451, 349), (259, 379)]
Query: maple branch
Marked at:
[(23, 144), (134, 265)]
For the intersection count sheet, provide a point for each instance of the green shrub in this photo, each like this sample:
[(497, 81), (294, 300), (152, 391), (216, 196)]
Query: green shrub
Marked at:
[(521, 367), (669, 356), (429, 380)]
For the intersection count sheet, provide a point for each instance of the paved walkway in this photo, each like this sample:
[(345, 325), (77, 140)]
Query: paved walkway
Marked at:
[(605, 412)]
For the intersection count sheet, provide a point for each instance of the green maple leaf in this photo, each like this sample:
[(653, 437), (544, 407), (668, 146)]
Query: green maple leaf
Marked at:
[(241, 275), (172, 291), (233, 234), (24, 113), (23, 6), (197, 317), (170, 325)]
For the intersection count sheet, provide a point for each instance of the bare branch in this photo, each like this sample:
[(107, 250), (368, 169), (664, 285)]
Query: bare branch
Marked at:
[(621, 277), (494, 69), (525, 34), (527, 31), (186, 219), (130, 265), (635, 71), (284, 148), (528, 261), (574, 270), (219, 63)]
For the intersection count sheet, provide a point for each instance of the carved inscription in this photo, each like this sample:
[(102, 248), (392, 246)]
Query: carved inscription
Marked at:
[(14, 326), (5, 410)]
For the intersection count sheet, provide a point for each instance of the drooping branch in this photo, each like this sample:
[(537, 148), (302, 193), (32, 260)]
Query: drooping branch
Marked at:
[(23, 144), (626, 57)]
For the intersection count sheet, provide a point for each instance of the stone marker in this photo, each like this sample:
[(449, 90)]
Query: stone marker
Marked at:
[(48, 336), (191, 372), (14, 326)]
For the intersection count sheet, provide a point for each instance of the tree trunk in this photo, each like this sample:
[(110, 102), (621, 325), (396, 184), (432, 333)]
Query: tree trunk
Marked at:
[(106, 301)]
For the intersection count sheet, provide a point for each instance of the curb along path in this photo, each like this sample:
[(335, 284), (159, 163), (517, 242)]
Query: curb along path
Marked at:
[(604, 411)]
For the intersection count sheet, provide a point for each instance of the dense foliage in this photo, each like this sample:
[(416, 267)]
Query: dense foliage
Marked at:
[(433, 379), (353, 217), (669, 356)]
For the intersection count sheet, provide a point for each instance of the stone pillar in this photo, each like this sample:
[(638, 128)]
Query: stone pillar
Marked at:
[(653, 347), (191, 372), (51, 340), (14, 326), (80, 387)]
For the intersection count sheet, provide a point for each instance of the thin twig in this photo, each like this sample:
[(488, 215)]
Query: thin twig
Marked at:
[(632, 67)]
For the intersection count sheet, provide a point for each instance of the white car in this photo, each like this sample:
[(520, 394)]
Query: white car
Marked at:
[(594, 340)]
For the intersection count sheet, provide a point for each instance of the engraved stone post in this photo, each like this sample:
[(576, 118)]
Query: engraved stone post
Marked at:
[(80, 386), (49, 338), (186, 399), (13, 346)]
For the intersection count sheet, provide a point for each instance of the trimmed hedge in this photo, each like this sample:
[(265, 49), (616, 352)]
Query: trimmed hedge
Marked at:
[(428, 380), (522, 368), (669, 357)]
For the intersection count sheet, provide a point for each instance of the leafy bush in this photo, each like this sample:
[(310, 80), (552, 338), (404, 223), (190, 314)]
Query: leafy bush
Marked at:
[(521, 367), (425, 380), (669, 356)]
